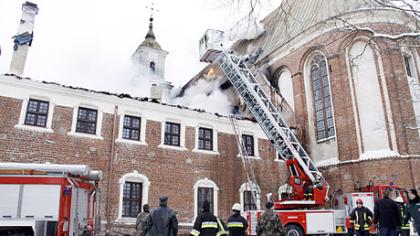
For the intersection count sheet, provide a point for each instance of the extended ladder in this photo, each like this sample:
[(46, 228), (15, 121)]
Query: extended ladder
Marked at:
[(266, 114), (246, 162)]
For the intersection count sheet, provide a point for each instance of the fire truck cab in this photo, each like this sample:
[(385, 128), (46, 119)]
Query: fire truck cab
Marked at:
[(48, 199)]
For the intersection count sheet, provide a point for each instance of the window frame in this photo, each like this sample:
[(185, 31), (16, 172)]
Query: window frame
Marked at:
[(171, 135), (130, 128), (199, 203), (207, 183), (205, 139), (320, 62), (99, 119), (251, 145), (134, 176), (247, 187), (87, 109), (132, 199), (37, 113), (24, 106)]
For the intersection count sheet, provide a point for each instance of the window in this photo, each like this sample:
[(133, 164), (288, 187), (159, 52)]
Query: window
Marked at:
[(132, 195), (249, 203), (153, 66), (205, 189), (322, 98), (205, 139), (407, 65), (249, 144), (131, 128), (203, 194), (172, 134), (37, 113), (86, 120)]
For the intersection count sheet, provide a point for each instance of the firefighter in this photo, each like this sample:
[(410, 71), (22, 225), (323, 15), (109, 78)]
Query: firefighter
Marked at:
[(236, 224), (206, 224), (361, 217), (405, 226)]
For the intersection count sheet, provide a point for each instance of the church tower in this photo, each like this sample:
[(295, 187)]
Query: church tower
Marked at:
[(150, 59)]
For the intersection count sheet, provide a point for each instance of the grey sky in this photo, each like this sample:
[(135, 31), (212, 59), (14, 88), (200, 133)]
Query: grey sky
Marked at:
[(82, 42)]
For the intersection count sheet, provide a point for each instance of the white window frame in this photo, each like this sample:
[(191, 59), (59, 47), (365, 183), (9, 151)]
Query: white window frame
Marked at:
[(99, 118), (247, 187), (134, 176), (143, 122), (21, 122), (292, 102), (181, 146), (256, 148), (215, 150), (206, 183)]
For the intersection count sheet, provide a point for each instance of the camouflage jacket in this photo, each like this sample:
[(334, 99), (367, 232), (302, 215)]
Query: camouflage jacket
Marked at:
[(269, 224), (141, 226)]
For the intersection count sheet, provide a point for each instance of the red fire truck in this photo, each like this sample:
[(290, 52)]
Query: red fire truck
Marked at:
[(48, 199)]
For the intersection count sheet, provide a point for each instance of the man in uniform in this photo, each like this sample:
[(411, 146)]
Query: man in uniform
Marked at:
[(269, 223), (361, 218), (141, 222), (236, 224)]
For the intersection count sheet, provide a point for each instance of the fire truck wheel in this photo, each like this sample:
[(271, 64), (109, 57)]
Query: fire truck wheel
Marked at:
[(294, 230)]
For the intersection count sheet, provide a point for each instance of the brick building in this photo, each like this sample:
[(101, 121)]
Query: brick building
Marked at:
[(144, 147), (351, 95), (345, 75)]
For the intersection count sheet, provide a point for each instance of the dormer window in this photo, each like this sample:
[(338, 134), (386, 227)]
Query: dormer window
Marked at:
[(152, 66)]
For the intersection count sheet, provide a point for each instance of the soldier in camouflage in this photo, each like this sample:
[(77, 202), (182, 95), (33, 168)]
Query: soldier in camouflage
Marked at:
[(269, 223), (142, 218)]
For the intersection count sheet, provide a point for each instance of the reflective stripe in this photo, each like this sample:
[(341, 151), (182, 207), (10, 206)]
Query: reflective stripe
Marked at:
[(235, 224), (195, 232), (209, 224)]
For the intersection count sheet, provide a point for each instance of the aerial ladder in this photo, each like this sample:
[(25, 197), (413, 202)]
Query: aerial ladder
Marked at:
[(309, 188), (246, 163)]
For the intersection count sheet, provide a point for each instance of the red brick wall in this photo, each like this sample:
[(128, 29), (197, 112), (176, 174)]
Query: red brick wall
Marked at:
[(170, 172)]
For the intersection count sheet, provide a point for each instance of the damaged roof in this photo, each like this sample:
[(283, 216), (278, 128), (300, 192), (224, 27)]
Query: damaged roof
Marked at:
[(125, 95)]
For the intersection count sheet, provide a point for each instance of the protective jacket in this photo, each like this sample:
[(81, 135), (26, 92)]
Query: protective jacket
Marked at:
[(413, 211), (237, 225), (206, 224), (361, 218)]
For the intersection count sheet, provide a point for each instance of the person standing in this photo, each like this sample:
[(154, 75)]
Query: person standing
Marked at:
[(207, 224), (405, 226), (387, 214), (413, 209), (141, 221), (269, 223), (361, 218), (236, 224), (163, 221)]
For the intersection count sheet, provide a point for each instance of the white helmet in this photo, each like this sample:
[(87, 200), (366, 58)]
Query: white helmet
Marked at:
[(237, 207)]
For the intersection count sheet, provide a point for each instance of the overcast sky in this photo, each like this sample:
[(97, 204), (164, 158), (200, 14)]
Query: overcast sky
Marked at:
[(86, 42)]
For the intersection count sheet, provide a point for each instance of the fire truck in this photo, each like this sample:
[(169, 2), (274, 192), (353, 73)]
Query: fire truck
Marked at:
[(48, 199)]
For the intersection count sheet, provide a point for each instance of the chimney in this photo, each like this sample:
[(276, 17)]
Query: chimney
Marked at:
[(156, 92), (23, 38)]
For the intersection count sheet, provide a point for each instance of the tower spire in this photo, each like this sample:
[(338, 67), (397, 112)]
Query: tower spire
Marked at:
[(150, 34)]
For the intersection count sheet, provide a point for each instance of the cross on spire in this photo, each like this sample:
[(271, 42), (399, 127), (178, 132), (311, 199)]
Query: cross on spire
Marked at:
[(152, 8)]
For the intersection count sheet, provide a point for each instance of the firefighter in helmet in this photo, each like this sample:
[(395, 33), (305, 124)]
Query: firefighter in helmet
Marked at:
[(236, 224), (361, 217)]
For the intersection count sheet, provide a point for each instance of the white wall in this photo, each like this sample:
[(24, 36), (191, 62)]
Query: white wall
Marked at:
[(370, 114)]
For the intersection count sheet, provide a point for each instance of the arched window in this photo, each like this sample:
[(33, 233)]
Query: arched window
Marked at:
[(153, 66), (324, 122), (134, 191), (285, 86), (246, 199), (205, 189)]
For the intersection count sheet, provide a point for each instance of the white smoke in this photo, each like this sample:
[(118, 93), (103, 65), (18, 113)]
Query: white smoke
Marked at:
[(206, 95)]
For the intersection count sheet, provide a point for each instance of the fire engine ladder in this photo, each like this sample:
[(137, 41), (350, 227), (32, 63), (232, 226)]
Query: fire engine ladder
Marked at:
[(267, 116), (246, 162)]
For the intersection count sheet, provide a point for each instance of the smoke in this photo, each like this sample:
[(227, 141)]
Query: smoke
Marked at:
[(205, 94)]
